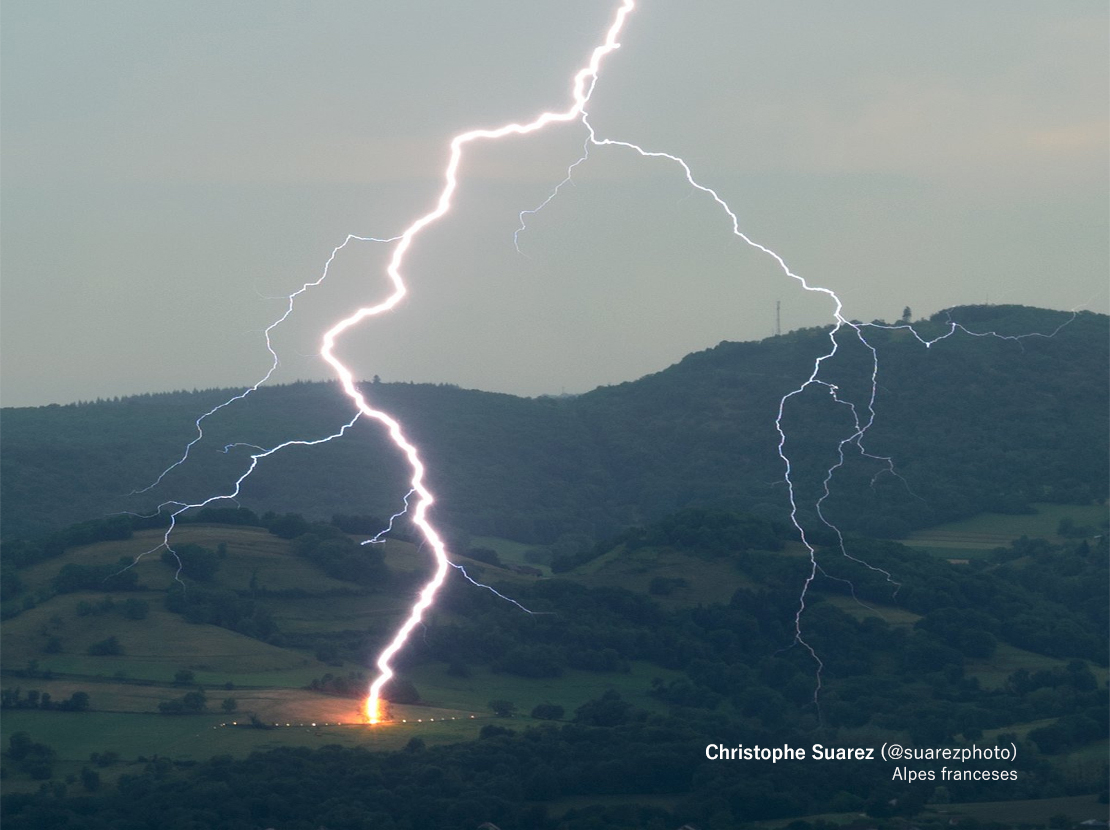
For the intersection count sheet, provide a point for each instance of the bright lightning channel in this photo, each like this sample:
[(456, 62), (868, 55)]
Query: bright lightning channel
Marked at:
[(584, 81), (582, 89)]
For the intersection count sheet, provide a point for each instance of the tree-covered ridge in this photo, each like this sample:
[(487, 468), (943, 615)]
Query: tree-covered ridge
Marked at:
[(971, 424)]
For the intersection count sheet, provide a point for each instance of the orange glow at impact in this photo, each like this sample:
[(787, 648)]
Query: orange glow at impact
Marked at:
[(373, 709)]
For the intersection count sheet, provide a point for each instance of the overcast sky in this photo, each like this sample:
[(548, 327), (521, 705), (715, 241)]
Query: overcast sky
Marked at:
[(172, 169)]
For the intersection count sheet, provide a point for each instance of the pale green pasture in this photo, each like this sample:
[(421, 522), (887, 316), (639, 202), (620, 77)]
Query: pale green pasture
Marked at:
[(1040, 811), (986, 531), (153, 648), (708, 580), (508, 550), (893, 616), (570, 690), (1007, 659), (311, 615), (198, 737)]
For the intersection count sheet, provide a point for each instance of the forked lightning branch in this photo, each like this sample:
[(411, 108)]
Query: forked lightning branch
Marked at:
[(419, 499)]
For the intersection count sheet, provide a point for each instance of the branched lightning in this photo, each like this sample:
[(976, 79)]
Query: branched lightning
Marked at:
[(489, 588), (379, 537), (862, 421), (274, 362), (181, 507), (584, 81), (582, 88), (419, 499), (814, 379)]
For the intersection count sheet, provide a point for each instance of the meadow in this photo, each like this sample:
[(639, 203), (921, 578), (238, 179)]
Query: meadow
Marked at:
[(269, 682), (978, 536), (265, 695)]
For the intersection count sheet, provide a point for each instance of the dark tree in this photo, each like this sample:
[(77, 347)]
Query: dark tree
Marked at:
[(548, 711), (106, 647)]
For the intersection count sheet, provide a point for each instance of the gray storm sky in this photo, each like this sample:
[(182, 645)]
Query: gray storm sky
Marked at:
[(172, 169)]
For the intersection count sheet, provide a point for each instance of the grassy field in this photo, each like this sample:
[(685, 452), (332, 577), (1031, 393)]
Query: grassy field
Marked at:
[(1036, 813), (270, 681), (510, 552), (993, 671), (76, 736), (265, 680), (1079, 808), (976, 537), (707, 580), (153, 648), (898, 617), (310, 615), (571, 690)]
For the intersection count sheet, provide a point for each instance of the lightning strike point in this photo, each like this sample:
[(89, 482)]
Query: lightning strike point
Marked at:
[(419, 499), (372, 708)]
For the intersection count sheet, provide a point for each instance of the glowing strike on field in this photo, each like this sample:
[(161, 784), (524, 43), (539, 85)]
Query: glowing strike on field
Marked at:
[(419, 498), (582, 88), (584, 82)]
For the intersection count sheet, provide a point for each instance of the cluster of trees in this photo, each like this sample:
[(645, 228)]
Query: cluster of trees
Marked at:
[(35, 759), (108, 647), (712, 533), (190, 703), (225, 608), (195, 561), (353, 684), (34, 699), (333, 552), (194, 702)]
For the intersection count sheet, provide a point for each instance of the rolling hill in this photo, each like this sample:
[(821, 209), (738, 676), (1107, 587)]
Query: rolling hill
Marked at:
[(227, 695), (972, 423)]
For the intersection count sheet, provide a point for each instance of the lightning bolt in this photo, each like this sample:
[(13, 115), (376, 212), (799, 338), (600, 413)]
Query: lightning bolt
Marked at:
[(422, 498), (862, 421), (379, 537), (419, 499), (814, 379), (584, 81), (274, 362)]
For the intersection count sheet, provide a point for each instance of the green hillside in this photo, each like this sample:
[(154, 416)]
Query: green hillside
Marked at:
[(972, 424), (666, 601), (678, 634)]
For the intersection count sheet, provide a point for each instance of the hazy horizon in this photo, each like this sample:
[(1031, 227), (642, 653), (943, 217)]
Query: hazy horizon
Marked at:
[(172, 173)]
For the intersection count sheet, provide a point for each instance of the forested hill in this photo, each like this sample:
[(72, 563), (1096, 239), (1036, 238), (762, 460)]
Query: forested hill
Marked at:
[(971, 423)]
